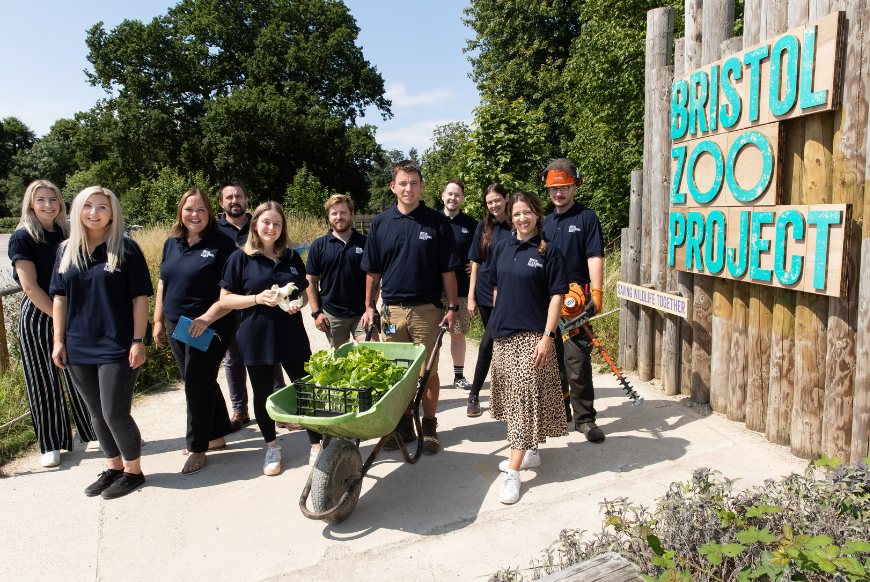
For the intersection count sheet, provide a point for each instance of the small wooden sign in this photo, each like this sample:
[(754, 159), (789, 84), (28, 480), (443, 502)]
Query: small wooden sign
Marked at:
[(652, 298)]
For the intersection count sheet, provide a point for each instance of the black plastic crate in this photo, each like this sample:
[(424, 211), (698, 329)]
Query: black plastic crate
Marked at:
[(314, 400)]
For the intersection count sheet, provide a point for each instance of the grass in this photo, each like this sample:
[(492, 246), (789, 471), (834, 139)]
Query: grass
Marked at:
[(305, 228)]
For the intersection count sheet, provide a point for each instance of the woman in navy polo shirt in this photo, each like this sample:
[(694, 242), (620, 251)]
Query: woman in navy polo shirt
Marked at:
[(268, 335), (32, 251), (193, 262), (529, 279), (101, 286), (490, 230)]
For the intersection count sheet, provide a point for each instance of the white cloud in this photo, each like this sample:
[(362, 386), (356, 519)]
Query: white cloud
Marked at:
[(398, 94), (413, 135)]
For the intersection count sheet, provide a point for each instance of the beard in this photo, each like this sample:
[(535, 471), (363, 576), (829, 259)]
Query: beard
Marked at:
[(236, 210), (345, 228)]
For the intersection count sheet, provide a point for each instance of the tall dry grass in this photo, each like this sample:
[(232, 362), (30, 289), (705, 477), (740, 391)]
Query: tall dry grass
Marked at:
[(305, 228)]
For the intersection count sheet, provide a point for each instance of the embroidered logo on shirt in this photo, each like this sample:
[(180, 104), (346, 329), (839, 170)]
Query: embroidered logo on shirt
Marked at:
[(108, 269), (425, 236), (359, 251), (206, 254), (573, 228), (294, 271), (464, 230), (536, 263)]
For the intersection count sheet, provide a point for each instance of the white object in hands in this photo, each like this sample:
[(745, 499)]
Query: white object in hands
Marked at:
[(283, 296)]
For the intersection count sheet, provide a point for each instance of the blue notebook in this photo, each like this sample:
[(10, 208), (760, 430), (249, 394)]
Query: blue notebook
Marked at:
[(181, 334)]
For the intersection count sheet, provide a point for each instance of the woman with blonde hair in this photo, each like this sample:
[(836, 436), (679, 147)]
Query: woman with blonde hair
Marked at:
[(529, 280), (268, 335), (101, 286), (32, 251), (193, 261)]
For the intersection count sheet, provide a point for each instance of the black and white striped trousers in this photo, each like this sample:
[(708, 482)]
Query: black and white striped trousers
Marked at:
[(44, 388)]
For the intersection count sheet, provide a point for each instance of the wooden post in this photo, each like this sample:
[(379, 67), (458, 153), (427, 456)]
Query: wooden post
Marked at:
[(679, 57), (660, 175), (723, 292), (861, 401), (751, 23), (718, 26), (798, 13), (774, 18), (739, 323), (633, 272), (849, 152), (694, 16), (623, 304), (4, 348)]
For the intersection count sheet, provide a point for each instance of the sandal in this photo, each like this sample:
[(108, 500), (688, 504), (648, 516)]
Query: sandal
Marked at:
[(193, 466), (210, 449)]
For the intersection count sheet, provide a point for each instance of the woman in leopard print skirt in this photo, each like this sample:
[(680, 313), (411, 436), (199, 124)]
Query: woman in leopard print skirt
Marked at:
[(529, 279)]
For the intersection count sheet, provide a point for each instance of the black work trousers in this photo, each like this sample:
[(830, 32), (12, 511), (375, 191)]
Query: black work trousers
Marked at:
[(262, 384), (207, 416), (578, 371), (484, 352)]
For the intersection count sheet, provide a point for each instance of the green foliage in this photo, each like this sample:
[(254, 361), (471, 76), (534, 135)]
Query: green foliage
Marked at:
[(306, 196), (156, 200), (445, 160), (380, 195), (797, 528), (252, 90)]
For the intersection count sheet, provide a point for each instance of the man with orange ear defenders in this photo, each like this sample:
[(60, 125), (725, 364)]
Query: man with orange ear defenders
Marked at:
[(576, 230)]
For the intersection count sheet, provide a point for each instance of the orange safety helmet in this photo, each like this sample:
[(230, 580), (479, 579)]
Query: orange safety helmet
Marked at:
[(574, 301)]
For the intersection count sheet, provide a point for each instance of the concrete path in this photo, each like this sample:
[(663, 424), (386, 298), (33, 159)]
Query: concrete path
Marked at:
[(437, 520)]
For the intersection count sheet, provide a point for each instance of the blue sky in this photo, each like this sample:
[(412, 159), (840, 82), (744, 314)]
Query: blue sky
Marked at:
[(418, 53)]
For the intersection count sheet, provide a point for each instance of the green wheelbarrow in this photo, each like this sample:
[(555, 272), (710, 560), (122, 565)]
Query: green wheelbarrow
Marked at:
[(335, 481)]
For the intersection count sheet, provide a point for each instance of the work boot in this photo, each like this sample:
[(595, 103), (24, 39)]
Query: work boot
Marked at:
[(591, 430), (431, 444), (406, 430)]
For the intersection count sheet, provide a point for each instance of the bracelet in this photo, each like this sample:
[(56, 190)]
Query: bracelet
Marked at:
[(255, 300)]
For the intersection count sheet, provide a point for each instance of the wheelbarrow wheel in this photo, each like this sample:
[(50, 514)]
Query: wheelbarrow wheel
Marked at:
[(335, 467)]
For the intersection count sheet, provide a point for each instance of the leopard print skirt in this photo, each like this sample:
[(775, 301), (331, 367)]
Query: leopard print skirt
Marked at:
[(529, 399)]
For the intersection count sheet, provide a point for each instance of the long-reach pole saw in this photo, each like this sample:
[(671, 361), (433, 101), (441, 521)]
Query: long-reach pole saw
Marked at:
[(575, 318)]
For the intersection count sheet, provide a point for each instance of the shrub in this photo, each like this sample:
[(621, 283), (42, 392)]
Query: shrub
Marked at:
[(155, 201), (306, 196), (797, 528)]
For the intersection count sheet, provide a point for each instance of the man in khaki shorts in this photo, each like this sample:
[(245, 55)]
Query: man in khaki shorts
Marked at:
[(336, 282), (410, 255), (463, 231)]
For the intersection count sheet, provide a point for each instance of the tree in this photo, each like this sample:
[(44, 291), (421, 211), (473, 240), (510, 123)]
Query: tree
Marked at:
[(446, 159), (306, 195), (380, 195), (253, 89)]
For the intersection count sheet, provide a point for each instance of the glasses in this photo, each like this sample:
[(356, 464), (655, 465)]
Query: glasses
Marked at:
[(560, 189)]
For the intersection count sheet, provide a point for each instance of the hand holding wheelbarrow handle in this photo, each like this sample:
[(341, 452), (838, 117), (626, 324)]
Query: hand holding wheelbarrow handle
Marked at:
[(376, 324)]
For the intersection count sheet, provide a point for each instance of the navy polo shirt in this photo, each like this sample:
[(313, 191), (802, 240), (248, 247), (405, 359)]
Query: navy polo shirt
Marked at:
[(525, 281), (191, 274), (577, 233), (483, 288), (463, 232), (410, 251), (342, 280), (99, 304), (239, 235), (267, 335), (23, 247)]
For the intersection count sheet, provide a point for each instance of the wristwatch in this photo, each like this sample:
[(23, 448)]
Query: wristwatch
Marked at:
[(550, 334), (453, 308), (139, 340), (314, 314)]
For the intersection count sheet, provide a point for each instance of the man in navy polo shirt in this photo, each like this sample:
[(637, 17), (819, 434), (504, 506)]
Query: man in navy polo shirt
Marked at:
[(463, 231), (235, 222), (411, 257), (336, 283), (576, 230)]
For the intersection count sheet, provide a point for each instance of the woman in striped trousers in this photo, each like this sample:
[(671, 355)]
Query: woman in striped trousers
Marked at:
[(32, 251)]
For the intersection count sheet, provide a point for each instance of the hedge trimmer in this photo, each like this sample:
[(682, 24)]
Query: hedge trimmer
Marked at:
[(575, 318)]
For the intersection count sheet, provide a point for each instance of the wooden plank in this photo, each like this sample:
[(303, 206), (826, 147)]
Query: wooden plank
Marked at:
[(686, 288), (701, 336), (717, 26), (798, 13), (633, 274), (774, 18), (751, 22), (827, 76), (658, 344), (758, 337), (645, 344), (679, 57), (693, 17), (781, 383), (739, 356), (623, 304), (609, 567), (849, 153)]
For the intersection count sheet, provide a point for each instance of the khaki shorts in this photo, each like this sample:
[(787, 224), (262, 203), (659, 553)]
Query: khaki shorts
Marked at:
[(417, 325), (341, 329), (463, 318)]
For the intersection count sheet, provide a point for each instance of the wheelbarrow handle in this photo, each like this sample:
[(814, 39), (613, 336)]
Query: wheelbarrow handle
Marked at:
[(376, 323), (429, 363)]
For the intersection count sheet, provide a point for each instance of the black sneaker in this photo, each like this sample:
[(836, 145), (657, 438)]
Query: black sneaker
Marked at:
[(431, 444), (126, 483), (473, 406), (462, 384), (107, 477), (591, 430), (406, 431)]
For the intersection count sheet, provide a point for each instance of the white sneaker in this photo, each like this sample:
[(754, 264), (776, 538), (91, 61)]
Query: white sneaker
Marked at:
[(510, 487), (272, 464), (312, 457), (530, 460), (51, 459)]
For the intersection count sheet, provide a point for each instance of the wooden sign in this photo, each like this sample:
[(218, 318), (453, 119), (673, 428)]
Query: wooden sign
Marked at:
[(795, 74), (652, 298), (792, 247)]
